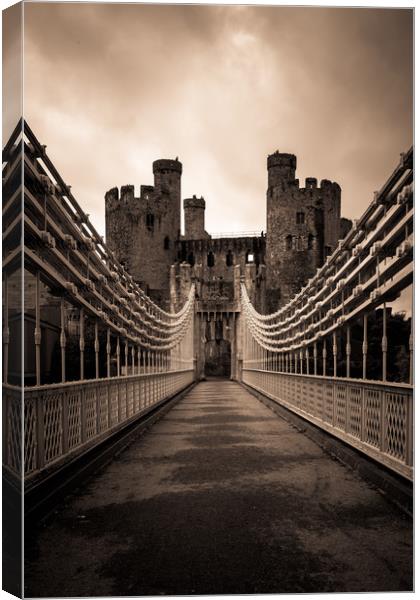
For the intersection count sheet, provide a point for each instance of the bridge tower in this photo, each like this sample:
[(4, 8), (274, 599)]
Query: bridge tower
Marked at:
[(303, 226)]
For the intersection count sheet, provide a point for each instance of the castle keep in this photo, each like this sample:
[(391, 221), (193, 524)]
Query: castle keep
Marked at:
[(303, 227)]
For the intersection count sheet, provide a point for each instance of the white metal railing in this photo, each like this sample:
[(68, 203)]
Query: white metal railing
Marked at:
[(70, 270), (373, 417), (236, 234), (291, 354), (63, 420)]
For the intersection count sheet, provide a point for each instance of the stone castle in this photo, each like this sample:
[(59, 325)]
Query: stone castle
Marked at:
[(304, 225)]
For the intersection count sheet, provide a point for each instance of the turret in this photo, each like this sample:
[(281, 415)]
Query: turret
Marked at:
[(167, 174), (194, 211), (281, 169)]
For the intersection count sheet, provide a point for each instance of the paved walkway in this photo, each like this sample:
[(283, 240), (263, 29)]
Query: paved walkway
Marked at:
[(222, 496)]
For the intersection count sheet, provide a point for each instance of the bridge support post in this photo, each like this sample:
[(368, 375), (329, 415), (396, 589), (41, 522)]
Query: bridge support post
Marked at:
[(6, 332), (126, 357), (335, 352), (348, 350), (118, 357), (384, 344), (108, 352), (82, 343), (365, 343), (96, 351), (63, 340), (37, 333), (410, 347)]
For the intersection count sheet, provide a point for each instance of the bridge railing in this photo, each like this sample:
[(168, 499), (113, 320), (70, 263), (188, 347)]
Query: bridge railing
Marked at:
[(296, 355), (98, 352), (373, 417), (60, 421)]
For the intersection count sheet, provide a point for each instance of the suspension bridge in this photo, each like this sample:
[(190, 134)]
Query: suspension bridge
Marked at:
[(222, 495)]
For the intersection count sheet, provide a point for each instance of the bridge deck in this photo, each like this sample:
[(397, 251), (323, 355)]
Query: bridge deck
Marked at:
[(221, 496)]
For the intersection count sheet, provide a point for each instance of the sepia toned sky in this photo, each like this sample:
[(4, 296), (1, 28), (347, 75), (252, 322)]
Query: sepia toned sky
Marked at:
[(110, 88)]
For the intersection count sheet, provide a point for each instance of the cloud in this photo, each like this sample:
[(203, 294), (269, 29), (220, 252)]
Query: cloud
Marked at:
[(110, 88)]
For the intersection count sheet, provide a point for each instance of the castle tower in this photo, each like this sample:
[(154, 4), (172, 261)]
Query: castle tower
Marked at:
[(143, 231), (167, 174), (303, 226), (194, 211)]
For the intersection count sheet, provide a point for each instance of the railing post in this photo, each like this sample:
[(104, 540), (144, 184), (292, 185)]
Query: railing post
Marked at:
[(363, 415), (410, 347), (384, 344), (335, 352), (348, 352), (108, 352), (63, 341), (6, 331), (365, 343), (96, 351), (82, 343), (383, 421), (37, 334), (126, 357), (307, 359), (133, 359), (315, 358), (118, 352), (324, 357)]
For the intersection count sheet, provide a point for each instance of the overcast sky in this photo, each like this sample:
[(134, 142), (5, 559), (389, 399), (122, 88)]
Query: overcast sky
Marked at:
[(110, 88)]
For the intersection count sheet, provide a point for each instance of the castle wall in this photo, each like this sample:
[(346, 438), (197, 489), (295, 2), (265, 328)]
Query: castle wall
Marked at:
[(213, 262)]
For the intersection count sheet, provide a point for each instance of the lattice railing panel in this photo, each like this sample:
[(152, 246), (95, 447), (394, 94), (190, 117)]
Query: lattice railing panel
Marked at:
[(373, 405), (375, 418), (130, 398), (136, 397), (113, 392), (71, 414), (396, 425), (30, 436), (340, 406), (319, 400), (53, 428), (89, 399), (103, 407), (329, 402), (74, 418), (355, 411), (14, 432)]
